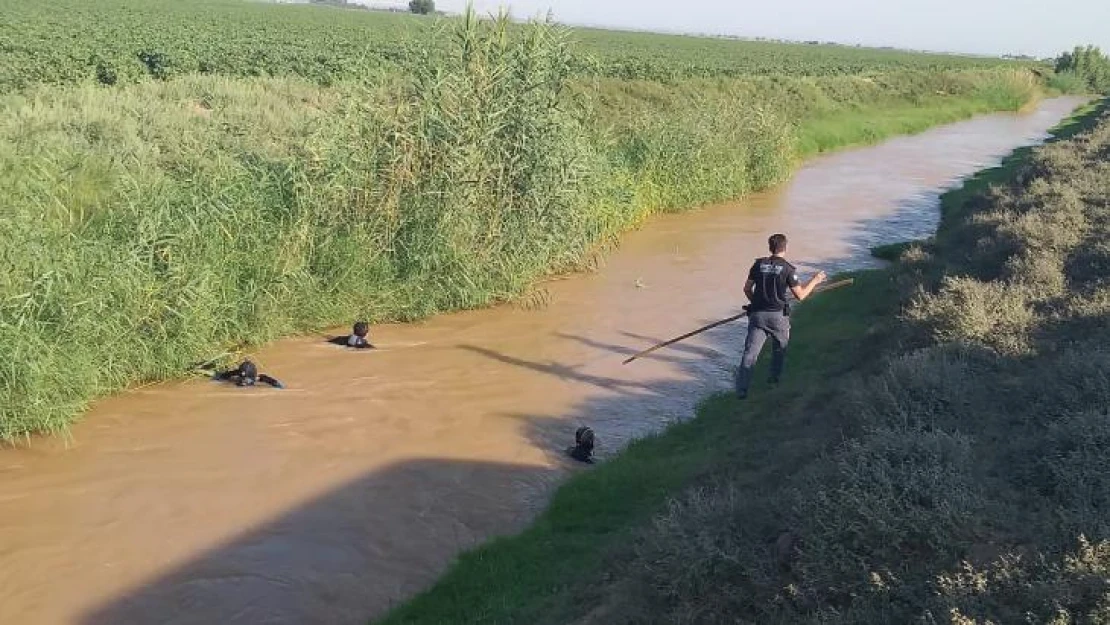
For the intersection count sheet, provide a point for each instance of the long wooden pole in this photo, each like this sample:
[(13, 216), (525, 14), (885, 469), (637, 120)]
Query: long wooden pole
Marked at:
[(821, 289)]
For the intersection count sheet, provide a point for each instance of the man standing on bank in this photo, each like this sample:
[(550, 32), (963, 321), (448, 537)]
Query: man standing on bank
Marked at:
[(769, 312)]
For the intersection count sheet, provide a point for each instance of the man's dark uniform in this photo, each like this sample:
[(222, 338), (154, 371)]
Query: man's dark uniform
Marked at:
[(768, 315)]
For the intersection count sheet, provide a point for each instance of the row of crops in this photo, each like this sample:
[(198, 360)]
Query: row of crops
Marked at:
[(119, 41)]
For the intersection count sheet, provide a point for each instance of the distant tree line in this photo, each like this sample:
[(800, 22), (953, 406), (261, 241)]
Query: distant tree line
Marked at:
[(422, 7), (340, 3), (1089, 64)]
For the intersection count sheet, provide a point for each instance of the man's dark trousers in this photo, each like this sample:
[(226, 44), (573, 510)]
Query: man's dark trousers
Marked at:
[(763, 324)]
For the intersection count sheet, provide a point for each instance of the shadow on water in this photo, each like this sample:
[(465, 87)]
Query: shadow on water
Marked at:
[(311, 565), (408, 521), (628, 350)]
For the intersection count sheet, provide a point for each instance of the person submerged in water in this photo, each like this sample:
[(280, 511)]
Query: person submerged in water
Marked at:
[(583, 445), (357, 338), (246, 374)]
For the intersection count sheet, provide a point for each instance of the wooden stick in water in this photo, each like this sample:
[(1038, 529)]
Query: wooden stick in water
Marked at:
[(820, 289)]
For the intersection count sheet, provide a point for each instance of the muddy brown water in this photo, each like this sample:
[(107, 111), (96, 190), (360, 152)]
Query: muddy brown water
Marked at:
[(330, 501)]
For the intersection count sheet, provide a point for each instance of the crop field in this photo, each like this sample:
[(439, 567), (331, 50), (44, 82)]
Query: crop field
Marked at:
[(121, 41), (655, 56)]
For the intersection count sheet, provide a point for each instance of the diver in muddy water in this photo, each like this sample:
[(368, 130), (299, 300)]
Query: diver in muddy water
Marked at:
[(769, 312), (357, 339), (583, 445), (246, 374)]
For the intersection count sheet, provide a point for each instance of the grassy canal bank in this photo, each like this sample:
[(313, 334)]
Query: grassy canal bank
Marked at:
[(940, 453)]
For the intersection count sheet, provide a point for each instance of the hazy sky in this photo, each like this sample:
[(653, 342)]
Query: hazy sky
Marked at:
[(1038, 27)]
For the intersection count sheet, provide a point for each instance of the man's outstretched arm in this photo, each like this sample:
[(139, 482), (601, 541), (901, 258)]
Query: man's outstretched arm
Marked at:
[(802, 291)]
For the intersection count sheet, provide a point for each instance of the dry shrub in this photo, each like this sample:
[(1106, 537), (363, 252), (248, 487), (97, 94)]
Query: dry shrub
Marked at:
[(926, 388), (991, 313), (1075, 470), (1016, 588), (1041, 273), (1049, 219), (710, 558), (885, 500)]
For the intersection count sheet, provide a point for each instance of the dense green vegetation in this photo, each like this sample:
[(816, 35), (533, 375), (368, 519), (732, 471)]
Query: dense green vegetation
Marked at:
[(1087, 64), (123, 41), (167, 221), (940, 453)]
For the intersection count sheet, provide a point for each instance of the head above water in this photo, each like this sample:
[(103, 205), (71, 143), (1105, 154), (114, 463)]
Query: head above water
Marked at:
[(361, 329), (248, 373), (584, 439), (777, 244)]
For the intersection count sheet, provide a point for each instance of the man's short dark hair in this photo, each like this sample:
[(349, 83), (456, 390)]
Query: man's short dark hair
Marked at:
[(248, 369), (361, 328), (777, 243)]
